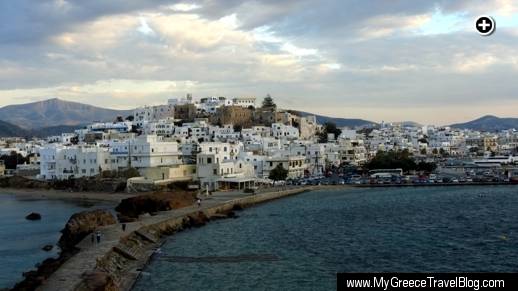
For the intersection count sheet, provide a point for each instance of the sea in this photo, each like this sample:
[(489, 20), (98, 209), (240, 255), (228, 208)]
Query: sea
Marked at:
[(301, 242), (21, 240)]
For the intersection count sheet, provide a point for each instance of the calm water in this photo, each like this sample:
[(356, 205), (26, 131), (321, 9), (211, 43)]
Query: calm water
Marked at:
[(299, 243), (21, 240)]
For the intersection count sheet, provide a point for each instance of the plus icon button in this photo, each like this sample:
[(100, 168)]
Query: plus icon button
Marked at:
[(485, 25)]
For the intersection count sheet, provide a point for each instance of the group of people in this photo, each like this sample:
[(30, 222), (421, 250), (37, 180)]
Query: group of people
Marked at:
[(96, 236)]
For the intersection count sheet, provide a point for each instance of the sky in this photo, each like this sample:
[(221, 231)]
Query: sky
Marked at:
[(397, 60)]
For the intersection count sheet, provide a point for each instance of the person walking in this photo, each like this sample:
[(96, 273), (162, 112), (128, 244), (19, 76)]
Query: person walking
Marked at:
[(93, 238), (98, 235), (124, 227), (199, 202)]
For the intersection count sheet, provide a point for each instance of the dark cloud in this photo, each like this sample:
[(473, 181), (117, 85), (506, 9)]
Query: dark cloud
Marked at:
[(400, 68), (27, 21)]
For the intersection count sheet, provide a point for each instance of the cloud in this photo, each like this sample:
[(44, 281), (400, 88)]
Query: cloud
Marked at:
[(375, 60), (144, 27)]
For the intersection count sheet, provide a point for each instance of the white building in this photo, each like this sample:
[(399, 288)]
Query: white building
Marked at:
[(282, 131), (244, 101), (211, 104), (63, 162), (145, 151), (219, 161), (152, 113)]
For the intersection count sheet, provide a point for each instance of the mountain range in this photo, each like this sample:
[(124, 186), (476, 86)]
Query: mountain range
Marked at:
[(54, 116), (489, 123), (56, 112), (9, 130), (340, 122)]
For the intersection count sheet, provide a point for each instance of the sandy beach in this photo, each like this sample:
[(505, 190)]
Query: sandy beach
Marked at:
[(59, 194)]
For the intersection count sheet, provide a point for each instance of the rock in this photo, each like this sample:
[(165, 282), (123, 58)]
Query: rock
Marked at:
[(33, 279), (47, 248), (224, 215), (198, 219), (231, 214), (19, 182), (82, 224), (153, 203), (33, 216), (98, 281)]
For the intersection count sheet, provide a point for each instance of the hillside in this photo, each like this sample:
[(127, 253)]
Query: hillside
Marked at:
[(340, 122), (56, 112), (10, 130), (489, 123)]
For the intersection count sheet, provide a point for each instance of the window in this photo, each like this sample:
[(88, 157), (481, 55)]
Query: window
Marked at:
[(215, 171), (209, 160)]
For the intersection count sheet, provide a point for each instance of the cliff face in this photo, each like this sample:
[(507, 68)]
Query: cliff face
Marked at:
[(130, 208), (82, 224)]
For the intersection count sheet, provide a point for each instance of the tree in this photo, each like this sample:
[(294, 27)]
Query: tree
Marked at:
[(329, 127), (119, 119), (423, 140), (392, 160), (435, 151), (130, 118), (238, 128), (268, 102), (74, 140), (423, 151), (426, 167), (278, 174), (13, 159)]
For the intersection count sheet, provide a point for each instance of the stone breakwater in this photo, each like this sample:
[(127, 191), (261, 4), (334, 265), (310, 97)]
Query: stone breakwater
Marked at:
[(116, 263)]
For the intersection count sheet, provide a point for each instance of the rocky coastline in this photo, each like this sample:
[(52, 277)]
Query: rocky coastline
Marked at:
[(77, 228), (117, 265)]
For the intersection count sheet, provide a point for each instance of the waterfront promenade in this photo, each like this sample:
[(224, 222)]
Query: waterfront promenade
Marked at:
[(70, 275)]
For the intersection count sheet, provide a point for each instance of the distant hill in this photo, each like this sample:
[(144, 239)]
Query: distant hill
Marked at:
[(408, 124), (489, 123), (54, 130), (11, 130), (340, 122), (56, 112)]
